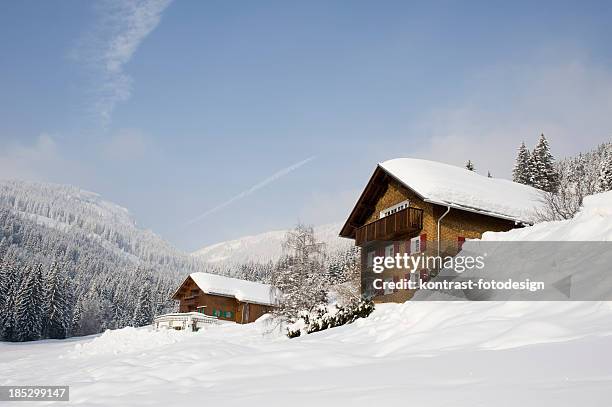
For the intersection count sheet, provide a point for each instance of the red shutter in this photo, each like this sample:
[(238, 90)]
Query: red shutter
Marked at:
[(396, 247), (408, 247), (460, 242), (380, 252), (423, 242), (395, 280)]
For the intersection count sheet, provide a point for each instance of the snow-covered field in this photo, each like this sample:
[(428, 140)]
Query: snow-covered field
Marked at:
[(419, 353)]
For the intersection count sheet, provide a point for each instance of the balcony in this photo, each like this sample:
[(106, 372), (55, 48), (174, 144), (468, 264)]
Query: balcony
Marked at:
[(390, 227)]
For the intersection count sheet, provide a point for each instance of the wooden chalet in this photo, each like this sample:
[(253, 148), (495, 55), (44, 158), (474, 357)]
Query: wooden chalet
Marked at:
[(225, 298), (414, 206)]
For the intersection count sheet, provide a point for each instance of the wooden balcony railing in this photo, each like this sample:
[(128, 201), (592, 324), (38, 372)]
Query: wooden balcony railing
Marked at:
[(402, 222)]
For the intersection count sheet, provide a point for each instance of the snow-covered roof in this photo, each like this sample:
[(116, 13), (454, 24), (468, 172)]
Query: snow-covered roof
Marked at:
[(446, 184), (242, 290)]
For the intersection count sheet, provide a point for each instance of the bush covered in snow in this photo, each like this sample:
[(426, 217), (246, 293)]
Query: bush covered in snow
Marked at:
[(323, 317)]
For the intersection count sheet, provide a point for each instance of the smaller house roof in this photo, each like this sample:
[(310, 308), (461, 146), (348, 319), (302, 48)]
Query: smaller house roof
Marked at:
[(242, 290)]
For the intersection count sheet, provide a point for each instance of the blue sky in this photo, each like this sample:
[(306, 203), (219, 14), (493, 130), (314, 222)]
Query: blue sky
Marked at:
[(212, 120)]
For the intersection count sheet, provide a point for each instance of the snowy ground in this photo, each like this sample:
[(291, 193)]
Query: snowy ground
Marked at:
[(419, 353)]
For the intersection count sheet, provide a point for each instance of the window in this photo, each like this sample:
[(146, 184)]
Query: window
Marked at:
[(460, 242), (389, 252), (222, 314), (370, 260), (395, 208), (414, 277), (415, 245), (387, 289)]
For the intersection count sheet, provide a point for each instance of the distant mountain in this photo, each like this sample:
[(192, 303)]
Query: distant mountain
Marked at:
[(70, 209), (265, 247)]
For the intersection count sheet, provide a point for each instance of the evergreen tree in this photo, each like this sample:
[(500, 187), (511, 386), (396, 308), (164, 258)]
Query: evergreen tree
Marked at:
[(56, 307), (604, 182), (543, 174), (8, 330), (489, 174), (4, 285), (29, 305), (300, 274), (469, 165), (75, 328), (521, 171), (143, 313)]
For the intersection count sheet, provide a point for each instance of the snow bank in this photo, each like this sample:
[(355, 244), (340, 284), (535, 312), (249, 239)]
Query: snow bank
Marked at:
[(127, 340), (425, 353), (592, 223), (449, 185)]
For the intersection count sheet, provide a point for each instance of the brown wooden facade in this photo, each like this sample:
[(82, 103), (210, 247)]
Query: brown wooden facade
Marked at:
[(374, 234), (192, 299)]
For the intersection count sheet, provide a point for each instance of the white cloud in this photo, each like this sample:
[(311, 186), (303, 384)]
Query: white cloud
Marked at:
[(571, 103), (29, 161), (120, 28)]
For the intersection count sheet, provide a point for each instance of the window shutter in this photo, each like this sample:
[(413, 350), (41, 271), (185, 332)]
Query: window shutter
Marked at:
[(395, 280), (408, 247), (424, 242), (460, 242), (396, 247)]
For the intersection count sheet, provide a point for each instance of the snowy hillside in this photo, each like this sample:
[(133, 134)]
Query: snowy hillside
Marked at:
[(430, 354), (93, 254), (70, 209), (265, 247)]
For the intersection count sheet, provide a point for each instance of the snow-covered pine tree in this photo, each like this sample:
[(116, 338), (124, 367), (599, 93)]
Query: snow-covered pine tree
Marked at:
[(75, 324), (521, 171), (29, 305), (8, 330), (91, 319), (489, 174), (4, 285), (301, 273), (542, 167), (604, 181), (143, 313), (56, 307), (469, 165)]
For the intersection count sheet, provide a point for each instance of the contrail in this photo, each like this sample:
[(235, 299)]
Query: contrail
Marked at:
[(245, 193)]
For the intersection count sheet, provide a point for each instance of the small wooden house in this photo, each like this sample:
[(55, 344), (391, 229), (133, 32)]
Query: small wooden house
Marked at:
[(412, 206), (227, 299)]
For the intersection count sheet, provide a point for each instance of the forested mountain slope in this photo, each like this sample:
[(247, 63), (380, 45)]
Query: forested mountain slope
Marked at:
[(72, 263)]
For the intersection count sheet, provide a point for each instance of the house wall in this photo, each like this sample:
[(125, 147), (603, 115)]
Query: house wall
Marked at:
[(217, 302), (455, 224)]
